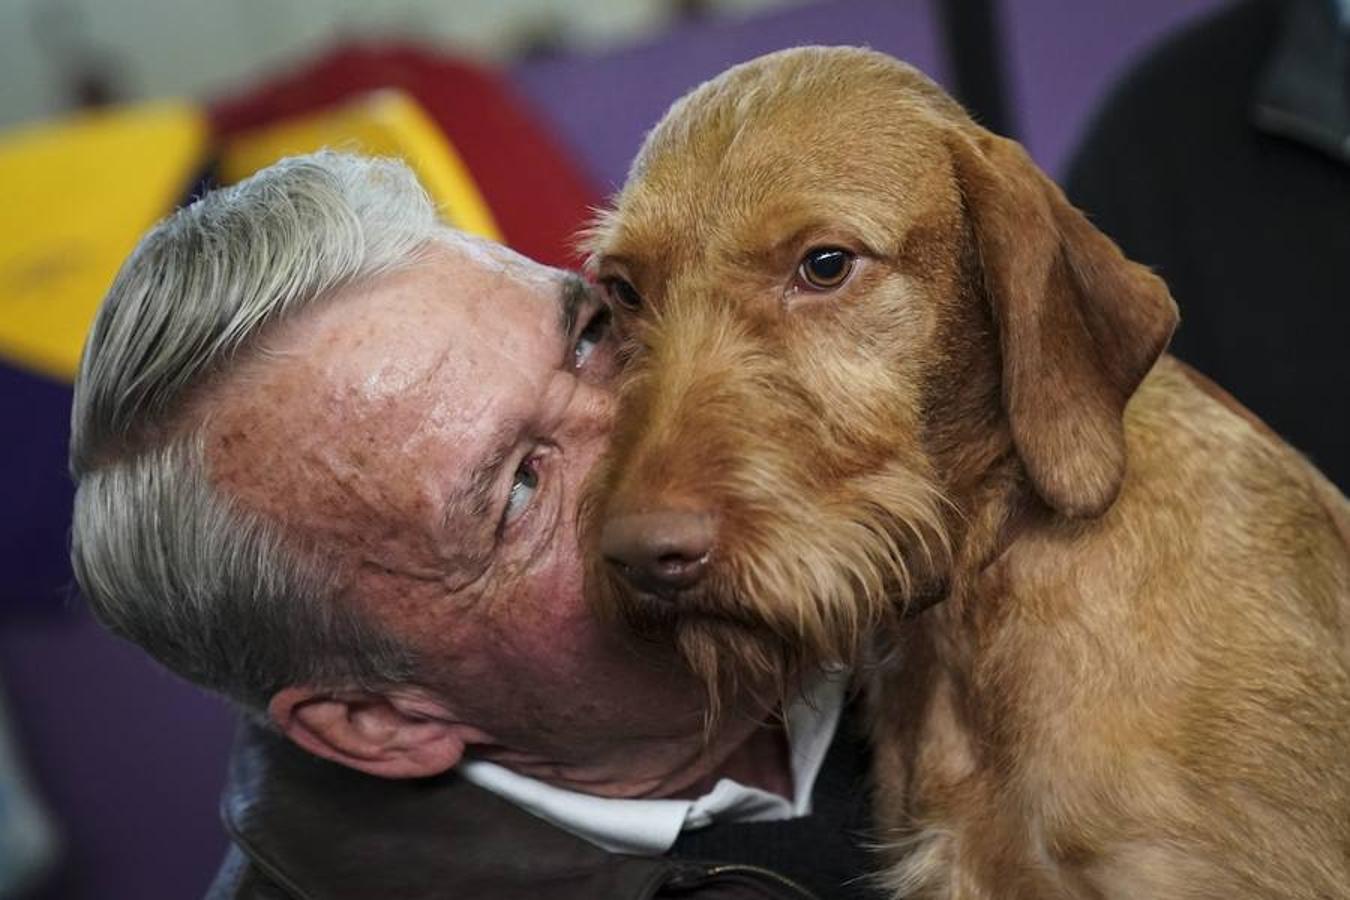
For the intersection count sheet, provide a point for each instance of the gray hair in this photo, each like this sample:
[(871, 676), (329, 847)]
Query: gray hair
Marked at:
[(216, 592)]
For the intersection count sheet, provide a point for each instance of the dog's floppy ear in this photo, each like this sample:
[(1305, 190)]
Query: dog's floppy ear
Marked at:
[(1079, 324)]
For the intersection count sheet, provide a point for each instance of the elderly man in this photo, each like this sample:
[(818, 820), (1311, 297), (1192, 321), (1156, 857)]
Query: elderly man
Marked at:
[(328, 455)]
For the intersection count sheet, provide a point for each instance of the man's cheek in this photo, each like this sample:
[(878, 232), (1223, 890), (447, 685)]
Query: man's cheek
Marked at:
[(560, 571), (547, 598)]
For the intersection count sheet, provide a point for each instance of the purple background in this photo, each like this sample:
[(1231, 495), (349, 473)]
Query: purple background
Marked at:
[(129, 758)]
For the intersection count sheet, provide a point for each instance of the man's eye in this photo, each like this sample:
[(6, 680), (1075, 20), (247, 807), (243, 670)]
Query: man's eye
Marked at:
[(523, 487), (622, 292), (590, 337)]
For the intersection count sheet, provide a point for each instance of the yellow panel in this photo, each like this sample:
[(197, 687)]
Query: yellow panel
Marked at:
[(382, 123), (78, 194)]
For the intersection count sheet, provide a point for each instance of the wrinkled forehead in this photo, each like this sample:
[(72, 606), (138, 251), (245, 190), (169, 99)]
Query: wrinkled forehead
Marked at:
[(380, 375), (783, 144)]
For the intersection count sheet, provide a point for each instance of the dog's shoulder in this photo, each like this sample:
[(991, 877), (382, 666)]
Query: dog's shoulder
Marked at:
[(1192, 440), (1215, 509), (1326, 494)]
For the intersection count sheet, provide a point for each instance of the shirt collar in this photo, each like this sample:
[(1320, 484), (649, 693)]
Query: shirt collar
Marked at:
[(650, 827), (1304, 92)]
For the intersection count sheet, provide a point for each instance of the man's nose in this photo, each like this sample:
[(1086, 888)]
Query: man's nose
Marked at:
[(659, 552)]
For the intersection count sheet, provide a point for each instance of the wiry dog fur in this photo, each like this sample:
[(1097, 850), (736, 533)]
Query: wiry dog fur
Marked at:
[(1137, 680)]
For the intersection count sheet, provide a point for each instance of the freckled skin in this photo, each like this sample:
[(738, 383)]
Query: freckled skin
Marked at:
[(357, 423)]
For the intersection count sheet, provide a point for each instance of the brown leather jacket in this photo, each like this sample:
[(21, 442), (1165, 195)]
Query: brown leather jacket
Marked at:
[(306, 829)]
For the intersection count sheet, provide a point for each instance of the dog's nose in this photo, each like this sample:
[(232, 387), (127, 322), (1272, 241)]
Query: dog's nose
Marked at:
[(659, 552)]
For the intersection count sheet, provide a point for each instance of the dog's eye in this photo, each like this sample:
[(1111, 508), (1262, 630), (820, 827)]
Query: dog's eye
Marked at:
[(623, 293), (824, 268)]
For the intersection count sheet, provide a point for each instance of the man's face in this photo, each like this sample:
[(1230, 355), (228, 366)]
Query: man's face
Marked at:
[(433, 428)]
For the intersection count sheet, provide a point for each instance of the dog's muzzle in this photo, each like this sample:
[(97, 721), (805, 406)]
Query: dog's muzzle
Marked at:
[(661, 553)]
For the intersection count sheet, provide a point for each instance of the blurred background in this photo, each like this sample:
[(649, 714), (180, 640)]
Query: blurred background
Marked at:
[(1211, 138)]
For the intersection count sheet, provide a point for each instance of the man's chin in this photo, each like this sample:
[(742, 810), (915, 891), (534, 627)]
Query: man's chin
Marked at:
[(743, 668)]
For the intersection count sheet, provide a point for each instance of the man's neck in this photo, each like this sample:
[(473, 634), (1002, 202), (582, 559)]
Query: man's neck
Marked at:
[(748, 771), (646, 769), (761, 761)]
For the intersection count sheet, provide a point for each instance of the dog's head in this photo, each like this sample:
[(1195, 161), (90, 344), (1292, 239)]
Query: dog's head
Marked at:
[(845, 303)]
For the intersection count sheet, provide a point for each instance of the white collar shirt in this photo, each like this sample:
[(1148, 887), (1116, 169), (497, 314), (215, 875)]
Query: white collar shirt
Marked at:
[(651, 827)]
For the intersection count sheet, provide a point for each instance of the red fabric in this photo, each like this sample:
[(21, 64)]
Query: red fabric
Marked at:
[(537, 194)]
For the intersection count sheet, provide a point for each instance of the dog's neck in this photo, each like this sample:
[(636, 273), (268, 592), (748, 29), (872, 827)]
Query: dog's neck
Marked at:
[(991, 510)]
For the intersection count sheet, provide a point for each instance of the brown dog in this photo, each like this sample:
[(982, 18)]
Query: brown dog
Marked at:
[(880, 363)]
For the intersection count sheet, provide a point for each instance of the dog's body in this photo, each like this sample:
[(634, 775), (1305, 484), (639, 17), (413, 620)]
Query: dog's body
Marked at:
[(1153, 703), (1135, 681)]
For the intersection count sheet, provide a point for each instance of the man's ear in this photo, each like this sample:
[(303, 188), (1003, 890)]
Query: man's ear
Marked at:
[(404, 732), (1079, 324)]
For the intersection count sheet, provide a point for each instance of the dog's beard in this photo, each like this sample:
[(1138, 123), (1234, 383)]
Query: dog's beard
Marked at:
[(795, 587), (737, 659)]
